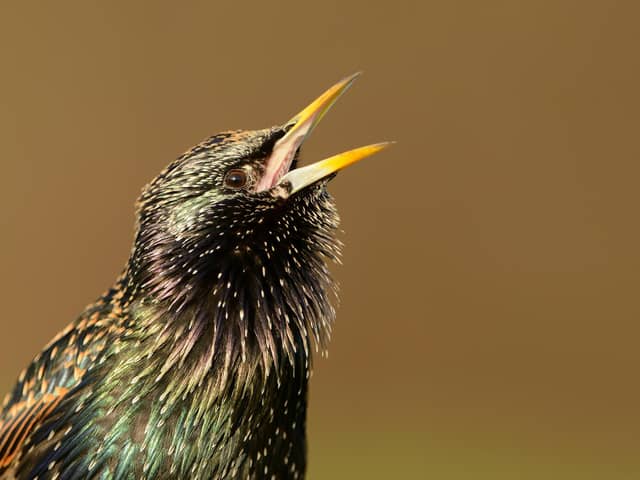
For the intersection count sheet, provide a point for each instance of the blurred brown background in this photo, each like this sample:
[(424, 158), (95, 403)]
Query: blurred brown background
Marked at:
[(489, 317)]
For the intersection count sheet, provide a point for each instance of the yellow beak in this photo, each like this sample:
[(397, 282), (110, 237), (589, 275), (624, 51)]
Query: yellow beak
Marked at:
[(301, 177), (305, 121), (299, 128)]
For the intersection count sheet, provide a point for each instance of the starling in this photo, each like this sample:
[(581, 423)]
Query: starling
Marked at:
[(195, 364)]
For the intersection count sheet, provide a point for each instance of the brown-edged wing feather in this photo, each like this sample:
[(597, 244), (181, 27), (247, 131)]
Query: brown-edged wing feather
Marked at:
[(23, 419)]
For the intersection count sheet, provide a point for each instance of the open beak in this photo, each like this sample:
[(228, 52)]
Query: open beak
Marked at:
[(299, 127)]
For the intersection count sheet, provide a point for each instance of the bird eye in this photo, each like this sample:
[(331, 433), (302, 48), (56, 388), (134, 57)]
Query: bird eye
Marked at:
[(235, 178)]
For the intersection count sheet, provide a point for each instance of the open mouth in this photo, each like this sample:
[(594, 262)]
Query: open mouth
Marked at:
[(281, 172)]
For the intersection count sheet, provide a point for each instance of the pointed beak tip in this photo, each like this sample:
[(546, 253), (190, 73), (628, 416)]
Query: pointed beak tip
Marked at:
[(349, 79), (314, 112), (384, 145)]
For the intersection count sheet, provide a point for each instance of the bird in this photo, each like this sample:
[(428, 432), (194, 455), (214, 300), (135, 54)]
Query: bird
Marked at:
[(195, 363)]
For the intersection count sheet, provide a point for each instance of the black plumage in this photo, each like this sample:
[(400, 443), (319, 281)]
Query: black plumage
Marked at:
[(195, 364)]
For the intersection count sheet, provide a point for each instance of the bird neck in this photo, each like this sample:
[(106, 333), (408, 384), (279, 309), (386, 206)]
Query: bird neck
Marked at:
[(182, 377), (250, 304), (204, 342), (220, 327)]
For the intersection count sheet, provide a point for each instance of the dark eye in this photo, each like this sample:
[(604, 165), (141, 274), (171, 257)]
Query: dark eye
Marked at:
[(235, 178)]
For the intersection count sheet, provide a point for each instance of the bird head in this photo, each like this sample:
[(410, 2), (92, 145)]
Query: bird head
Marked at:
[(235, 223)]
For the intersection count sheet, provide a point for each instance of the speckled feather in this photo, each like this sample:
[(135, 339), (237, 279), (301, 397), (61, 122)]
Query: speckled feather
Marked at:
[(195, 364)]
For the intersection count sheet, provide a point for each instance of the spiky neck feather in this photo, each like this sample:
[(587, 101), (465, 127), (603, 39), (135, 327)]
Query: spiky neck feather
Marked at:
[(220, 322), (244, 292)]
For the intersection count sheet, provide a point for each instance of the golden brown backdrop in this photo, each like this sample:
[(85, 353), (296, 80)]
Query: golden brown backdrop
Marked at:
[(489, 317)]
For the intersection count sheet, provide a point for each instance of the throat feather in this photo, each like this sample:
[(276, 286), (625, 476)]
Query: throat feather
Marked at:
[(245, 288)]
